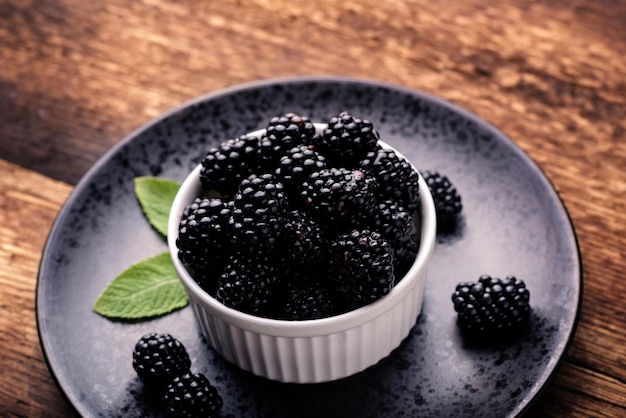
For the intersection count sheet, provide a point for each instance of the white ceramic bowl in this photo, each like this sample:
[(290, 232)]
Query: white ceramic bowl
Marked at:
[(317, 350)]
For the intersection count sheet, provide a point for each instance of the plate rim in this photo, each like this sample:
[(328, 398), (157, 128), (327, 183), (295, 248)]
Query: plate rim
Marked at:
[(105, 158)]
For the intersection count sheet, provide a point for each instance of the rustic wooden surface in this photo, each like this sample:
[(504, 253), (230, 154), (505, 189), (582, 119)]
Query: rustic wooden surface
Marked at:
[(76, 77)]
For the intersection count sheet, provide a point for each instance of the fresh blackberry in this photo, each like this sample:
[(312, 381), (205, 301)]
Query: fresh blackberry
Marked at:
[(491, 306), (347, 139), (252, 236), (303, 240), (446, 197), (261, 196), (339, 196), (192, 395), (247, 284), (258, 215), (204, 238), (283, 133), (158, 358), (224, 166), (362, 263), (396, 177), (397, 226), (307, 299), (295, 166)]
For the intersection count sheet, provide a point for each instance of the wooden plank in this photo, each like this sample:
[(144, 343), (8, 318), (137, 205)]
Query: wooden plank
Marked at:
[(29, 203), (96, 71)]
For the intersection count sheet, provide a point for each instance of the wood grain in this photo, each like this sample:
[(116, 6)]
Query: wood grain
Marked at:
[(28, 205), (78, 76)]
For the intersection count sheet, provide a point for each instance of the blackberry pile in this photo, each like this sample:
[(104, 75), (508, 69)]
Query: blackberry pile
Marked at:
[(309, 224), (163, 364)]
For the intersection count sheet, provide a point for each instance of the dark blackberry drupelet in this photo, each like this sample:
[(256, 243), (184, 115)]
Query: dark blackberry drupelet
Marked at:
[(447, 199), (204, 239), (397, 226), (248, 284), (283, 133), (303, 240), (397, 179), (339, 197), (362, 264), (257, 220), (158, 358), (296, 165), (305, 299), (224, 166), (191, 396), (491, 306), (347, 139)]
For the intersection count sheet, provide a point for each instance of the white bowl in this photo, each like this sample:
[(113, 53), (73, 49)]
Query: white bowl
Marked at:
[(310, 351)]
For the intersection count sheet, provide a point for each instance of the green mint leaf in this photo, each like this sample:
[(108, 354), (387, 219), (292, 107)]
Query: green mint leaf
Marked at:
[(147, 289), (155, 196)]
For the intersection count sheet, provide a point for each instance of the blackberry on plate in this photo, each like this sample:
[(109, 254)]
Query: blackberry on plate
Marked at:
[(339, 196), (248, 284), (295, 166), (283, 133), (347, 139), (397, 226), (225, 165), (158, 358), (396, 177), (191, 396), (446, 197), (203, 237), (491, 306), (362, 263)]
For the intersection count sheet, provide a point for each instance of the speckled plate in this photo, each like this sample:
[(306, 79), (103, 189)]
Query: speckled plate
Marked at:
[(513, 223)]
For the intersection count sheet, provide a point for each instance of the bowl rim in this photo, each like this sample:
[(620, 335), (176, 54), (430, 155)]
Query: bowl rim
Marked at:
[(191, 187)]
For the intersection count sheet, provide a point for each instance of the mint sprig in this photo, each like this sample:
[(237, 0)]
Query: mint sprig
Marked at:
[(151, 287), (156, 196), (147, 289)]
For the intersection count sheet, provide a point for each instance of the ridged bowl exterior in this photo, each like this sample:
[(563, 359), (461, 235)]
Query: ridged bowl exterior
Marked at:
[(316, 350), (316, 358)]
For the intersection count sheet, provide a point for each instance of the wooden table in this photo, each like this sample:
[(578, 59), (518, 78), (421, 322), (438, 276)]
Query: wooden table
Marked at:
[(76, 77)]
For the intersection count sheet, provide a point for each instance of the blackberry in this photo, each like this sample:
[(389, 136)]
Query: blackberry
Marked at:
[(224, 166), (192, 395), (295, 166), (339, 196), (347, 139), (158, 358), (247, 284), (283, 133), (303, 240), (362, 263), (397, 226), (252, 236), (446, 197), (204, 239), (258, 215), (491, 306), (396, 177), (261, 196), (307, 299)]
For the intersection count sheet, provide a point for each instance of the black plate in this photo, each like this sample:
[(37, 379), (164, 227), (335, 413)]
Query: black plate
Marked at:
[(513, 223)]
